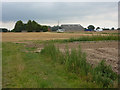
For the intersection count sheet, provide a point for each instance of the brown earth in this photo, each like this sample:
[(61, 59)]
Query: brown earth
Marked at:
[(96, 51)]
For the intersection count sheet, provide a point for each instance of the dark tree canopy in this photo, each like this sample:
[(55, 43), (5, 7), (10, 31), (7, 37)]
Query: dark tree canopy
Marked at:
[(91, 27), (19, 26), (55, 28), (97, 28), (112, 28), (36, 27), (44, 28), (30, 26), (106, 29), (118, 28), (3, 30)]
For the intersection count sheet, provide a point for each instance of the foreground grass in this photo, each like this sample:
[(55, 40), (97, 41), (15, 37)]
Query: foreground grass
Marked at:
[(35, 70)]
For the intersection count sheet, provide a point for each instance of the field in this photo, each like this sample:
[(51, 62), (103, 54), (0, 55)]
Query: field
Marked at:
[(51, 60), (11, 37)]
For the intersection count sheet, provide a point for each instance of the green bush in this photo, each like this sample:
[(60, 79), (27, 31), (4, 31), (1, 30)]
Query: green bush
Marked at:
[(104, 74)]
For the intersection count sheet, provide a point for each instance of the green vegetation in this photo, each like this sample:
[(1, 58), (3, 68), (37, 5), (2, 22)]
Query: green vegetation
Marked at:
[(3, 30), (52, 69), (31, 26), (91, 27), (104, 75), (97, 28), (19, 26), (75, 62), (112, 28), (88, 38), (23, 69), (93, 38)]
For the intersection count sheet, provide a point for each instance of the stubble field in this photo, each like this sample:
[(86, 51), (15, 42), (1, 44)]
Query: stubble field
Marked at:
[(11, 37)]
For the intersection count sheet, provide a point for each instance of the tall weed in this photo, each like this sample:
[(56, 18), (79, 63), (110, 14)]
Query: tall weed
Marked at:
[(75, 62)]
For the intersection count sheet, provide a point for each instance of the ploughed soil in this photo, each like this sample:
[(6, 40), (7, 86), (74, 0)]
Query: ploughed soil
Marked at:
[(96, 51)]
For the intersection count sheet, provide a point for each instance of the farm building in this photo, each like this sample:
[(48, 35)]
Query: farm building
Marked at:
[(72, 27)]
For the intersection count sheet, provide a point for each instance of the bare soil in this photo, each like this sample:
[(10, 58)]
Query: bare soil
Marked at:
[(96, 51)]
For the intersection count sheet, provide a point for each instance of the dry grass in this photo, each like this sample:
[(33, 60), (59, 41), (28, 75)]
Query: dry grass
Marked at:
[(13, 37), (38, 36)]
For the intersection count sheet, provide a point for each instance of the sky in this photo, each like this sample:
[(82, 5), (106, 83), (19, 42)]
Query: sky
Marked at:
[(102, 14)]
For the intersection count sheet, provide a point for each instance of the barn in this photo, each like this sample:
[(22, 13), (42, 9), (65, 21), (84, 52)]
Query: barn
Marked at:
[(72, 27)]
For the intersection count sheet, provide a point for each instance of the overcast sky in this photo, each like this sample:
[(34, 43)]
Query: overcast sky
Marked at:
[(103, 14)]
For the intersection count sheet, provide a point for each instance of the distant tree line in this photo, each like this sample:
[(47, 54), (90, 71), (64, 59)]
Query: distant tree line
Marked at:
[(3, 30), (91, 27), (30, 26), (54, 28), (33, 26)]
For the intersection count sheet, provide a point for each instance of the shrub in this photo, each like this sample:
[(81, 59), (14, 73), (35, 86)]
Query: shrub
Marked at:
[(104, 74)]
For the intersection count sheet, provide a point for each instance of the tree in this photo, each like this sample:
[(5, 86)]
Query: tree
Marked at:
[(55, 28), (91, 27), (36, 27), (112, 28), (19, 26), (45, 28), (118, 28), (85, 28), (97, 28), (3, 30), (29, 26), (106, 29), (25, 27)]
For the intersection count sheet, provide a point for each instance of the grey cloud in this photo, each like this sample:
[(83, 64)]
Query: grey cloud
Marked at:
[(46, 12)]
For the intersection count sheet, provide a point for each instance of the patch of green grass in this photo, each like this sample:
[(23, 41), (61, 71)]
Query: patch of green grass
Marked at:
[(35, 70), (85, 38), (93, 38), (30, 48)]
